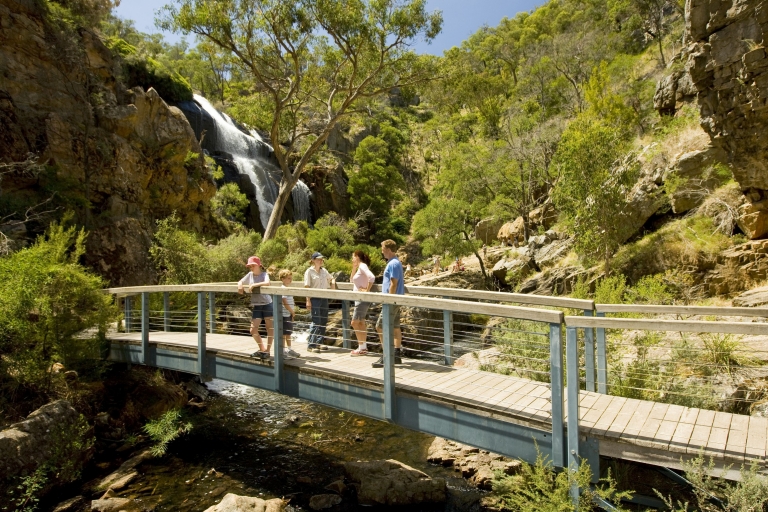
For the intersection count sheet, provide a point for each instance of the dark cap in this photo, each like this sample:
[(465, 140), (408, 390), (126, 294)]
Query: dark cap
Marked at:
[(317, 255)]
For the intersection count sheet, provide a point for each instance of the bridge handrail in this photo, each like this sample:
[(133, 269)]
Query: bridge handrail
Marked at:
[(646, 324), (461, 306), (681, 310), (454, 293)]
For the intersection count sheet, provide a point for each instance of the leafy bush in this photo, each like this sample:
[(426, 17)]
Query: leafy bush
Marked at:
[(147, 72), (229, 204), (47, 302), (273, 251), (539, 488), (750, 494), (181, 257)]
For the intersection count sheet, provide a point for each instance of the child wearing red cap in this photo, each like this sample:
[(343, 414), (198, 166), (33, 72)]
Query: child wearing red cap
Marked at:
[(261, 304)]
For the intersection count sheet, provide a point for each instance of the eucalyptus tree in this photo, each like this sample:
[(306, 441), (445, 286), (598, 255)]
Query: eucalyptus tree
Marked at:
[(313, 62)]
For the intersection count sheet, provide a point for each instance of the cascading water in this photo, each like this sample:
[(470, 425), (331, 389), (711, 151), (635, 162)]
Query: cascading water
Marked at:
[(253, 158)]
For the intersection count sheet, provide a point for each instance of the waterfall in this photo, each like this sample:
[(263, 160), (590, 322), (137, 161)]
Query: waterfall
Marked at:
[(232, 145)]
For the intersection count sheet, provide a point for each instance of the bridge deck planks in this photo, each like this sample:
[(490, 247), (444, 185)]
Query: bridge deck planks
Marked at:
[(674, 428)]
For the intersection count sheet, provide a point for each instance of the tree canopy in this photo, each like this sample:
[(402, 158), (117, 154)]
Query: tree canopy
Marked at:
[(313, 62)]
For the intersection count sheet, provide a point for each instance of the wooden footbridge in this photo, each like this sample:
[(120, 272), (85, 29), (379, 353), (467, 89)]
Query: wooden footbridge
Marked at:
[(553, 400)]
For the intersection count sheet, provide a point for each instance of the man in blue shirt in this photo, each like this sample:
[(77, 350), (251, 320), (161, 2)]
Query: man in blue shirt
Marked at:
[(393, 283)]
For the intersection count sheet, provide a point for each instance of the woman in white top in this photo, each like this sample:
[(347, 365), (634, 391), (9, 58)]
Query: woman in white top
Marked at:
[(362, 279), (317, 277), (261, 304)]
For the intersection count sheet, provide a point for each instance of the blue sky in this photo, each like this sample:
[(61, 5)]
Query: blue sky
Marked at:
[(461, 18)]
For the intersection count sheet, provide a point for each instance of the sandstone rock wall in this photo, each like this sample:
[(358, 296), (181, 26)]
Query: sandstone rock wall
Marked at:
[(119, 158), (728, 65)]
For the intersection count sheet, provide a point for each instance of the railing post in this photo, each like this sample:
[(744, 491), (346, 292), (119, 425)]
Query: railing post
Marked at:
[(346, 333), (602, 360), (127, 313), (589, 355), (166, 312), (556, 378), (201, 334), (211, 312), (572, 371), (448, 337), (388, 332), (145, 327), (277, 340)]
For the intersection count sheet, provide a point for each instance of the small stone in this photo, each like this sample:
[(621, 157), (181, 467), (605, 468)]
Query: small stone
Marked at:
[(323, 501), (337, 486), (304, 480)]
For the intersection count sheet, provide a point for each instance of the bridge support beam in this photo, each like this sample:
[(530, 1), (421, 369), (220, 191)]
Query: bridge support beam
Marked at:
[(602, 360), (345, 325), (572, 365), (145, 327), (589, 354), (128, 306), (388, 344), (211, 312), (448, 337), (277, 337), (201, 335), (556, 379), (166, 312)]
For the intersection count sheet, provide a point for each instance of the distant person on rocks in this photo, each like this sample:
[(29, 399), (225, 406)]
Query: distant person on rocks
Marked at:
[(362, 280), (436, 264), (261, 304), (485, 251), (393, 284), (289, 311), (318, 277)]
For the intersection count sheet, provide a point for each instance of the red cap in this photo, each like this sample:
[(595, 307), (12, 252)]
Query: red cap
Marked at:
[(254, 260)]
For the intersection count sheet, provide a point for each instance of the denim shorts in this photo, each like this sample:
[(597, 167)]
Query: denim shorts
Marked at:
[(287, 325), (261, 311), (361, 310)]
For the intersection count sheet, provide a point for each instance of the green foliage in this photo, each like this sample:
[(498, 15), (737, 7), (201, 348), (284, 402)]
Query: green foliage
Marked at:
[(181, 257), (593, 187), (539, 488), (611, 290), (444, 227), (229, 204), (47, 301), (273, 251), (120, 46), (524, 348), (333, 236), (148, 72), (652, 289), (166, 429), (749, 494), (79, 13)]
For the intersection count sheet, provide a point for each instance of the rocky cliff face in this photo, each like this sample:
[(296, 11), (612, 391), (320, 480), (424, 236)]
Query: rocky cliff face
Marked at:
[(121, 158), (728, 66)]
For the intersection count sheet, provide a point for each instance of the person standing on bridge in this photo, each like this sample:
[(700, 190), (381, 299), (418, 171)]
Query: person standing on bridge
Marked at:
[(362, 279), (317, 277), (393, 283), (261, 304)]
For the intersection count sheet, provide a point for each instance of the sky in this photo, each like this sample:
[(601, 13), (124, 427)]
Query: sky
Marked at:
[(461, 18)]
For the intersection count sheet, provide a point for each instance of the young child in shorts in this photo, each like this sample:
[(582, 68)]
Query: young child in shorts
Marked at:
[(289, 311)]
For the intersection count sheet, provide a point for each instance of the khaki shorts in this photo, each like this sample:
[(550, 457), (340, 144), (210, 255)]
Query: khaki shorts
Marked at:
[(395, 317)]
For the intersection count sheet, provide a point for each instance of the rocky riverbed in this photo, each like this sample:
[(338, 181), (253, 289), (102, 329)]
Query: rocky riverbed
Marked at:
[(255, 443)]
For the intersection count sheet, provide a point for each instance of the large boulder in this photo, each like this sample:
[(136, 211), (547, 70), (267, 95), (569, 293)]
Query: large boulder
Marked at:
[(752, 298), (753, 219), (512, 232), (553, 281), (738, 268), (389, 482), (673, 91), (514, 268), (697, 173), (487, 229), (234, 503), (26, 445)]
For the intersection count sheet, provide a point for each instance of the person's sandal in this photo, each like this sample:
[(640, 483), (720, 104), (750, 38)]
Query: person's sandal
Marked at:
[(359, 352)]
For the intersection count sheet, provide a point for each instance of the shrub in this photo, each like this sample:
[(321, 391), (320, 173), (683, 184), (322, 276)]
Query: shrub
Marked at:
[(229, 204), (539, 488), (147, 72), (47, 300)]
